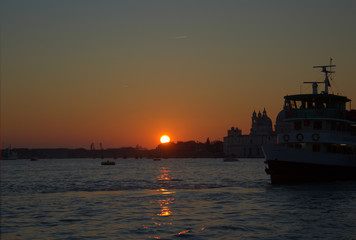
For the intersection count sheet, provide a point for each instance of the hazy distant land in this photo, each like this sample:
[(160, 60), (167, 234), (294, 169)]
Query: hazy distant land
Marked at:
[(167, 150)]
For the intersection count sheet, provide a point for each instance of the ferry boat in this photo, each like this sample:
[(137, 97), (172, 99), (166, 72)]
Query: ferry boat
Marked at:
[(316, 137)]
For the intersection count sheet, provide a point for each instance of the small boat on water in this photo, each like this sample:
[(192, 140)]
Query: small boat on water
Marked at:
[(108, 163), (33, 159), (316, 138)]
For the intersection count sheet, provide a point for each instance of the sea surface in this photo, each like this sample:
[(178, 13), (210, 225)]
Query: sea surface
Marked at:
[(167, 199)]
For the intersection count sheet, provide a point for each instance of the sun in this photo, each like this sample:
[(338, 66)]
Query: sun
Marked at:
[(165, 139)]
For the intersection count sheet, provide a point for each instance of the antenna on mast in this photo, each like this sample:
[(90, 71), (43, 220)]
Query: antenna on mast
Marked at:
[(327, 74), (330, 65)]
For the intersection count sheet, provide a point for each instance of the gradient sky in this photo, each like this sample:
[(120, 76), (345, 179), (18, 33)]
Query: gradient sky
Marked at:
[(125, 72)]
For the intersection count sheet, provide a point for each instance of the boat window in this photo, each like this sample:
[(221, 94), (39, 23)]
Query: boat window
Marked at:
[(298, 146), (340, 149), (331, 148), (310, 104), (348, 150), (319, 104), (297, 125), (306, 123), (318, 125), (316, 147), (287, 103), (303, 105), (292, 104), (298, 104)]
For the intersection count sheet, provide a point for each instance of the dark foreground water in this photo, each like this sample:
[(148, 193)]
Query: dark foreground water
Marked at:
[(167, 199)]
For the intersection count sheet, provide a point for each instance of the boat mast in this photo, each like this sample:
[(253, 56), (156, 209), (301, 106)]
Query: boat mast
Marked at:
[(327, 73)]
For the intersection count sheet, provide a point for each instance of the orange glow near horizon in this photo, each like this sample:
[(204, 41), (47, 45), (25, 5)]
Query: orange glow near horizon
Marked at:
[(165, 139), (126, 86)]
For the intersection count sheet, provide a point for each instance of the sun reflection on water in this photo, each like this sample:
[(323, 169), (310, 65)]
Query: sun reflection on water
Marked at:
[(164, 174), (165, 199), (164, 191), (164, 216), (164, 204)]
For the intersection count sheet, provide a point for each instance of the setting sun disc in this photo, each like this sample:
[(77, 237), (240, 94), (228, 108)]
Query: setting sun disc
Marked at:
[(165, 139)]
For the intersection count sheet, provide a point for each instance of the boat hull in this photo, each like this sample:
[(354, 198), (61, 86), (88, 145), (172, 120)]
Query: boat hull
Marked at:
[(285, 172), (288, 165)]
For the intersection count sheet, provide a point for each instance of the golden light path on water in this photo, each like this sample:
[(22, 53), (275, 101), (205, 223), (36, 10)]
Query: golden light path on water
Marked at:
[(165, 202), (165, 215)]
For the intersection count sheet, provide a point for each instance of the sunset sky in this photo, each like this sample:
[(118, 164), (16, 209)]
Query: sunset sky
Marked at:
[(123, 73)]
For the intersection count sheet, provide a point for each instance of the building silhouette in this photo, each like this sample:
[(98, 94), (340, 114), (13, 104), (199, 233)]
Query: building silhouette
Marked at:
[(250, 146)]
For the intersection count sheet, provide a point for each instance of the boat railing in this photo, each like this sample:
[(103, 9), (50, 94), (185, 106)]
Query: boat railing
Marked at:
[(314, 112)]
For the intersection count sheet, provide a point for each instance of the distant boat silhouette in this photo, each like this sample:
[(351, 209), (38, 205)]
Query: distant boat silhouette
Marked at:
[(108, 163)]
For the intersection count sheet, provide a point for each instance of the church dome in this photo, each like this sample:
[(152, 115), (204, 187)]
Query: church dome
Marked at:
[(261, 124)]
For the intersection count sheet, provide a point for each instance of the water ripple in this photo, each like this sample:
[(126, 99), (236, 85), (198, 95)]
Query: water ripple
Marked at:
[(170, 199)]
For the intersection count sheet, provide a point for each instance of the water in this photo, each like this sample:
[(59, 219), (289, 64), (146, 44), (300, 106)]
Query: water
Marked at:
[(167, 199)]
